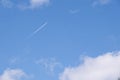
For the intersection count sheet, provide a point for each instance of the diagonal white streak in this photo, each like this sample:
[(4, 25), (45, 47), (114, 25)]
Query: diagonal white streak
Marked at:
[(37, 30), (41, 27)]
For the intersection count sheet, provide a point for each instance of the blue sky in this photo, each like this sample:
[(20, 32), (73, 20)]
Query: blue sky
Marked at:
[(41, 38)]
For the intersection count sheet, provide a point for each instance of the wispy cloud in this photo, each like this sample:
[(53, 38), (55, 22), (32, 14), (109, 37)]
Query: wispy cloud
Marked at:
[(13, 74), (6, 3), (49, 64), (14, 60), (38, 3), (30, 4), (33, 4), (103, 67), (104, 1), (37, 30), (100, 2), (74, 11)]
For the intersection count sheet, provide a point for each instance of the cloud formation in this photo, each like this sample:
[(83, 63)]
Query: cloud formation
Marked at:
[(12, 74), (6, 3), (49, 64), (32, 4), (103, 67), (104, 1), (38, 3), (101, 2)]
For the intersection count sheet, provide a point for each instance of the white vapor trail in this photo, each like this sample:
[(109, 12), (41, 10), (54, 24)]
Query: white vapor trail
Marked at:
[(41, 27), (38, 29)]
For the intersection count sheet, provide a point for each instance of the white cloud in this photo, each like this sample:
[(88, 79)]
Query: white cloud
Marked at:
[(38, 3), (12, 74), (49, 64), (33, 4), (103, 67), (29, 4)]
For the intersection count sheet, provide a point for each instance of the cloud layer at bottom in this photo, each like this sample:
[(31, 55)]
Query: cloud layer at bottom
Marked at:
[(103, 67), (12, 74)]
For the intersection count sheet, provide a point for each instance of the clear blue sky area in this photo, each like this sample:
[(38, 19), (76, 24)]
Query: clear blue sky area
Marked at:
[(73, 28)]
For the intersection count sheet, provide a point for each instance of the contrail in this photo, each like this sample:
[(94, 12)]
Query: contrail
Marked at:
[(38, 29), (41, 27)]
